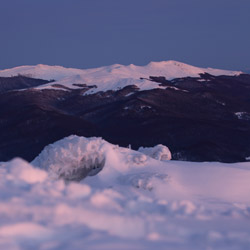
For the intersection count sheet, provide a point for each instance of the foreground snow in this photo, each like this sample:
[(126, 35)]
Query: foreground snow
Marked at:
[(134, 202), (75, 157), (112, 77)]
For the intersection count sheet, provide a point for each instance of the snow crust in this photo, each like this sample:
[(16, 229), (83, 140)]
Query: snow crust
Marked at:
[(112, 77), (134, 202), (243, 115)]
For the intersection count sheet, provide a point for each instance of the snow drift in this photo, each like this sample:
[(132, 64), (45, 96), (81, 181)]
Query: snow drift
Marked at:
[(75, 157)]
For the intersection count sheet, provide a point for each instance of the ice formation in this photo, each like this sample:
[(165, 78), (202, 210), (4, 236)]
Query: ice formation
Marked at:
[(73, 157), (159, 152)]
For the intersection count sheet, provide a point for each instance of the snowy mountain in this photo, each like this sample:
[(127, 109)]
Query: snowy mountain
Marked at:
[(112, 77)]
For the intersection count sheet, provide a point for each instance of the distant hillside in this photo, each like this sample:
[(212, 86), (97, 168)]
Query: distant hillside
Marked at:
[(203, 118), (19, 82)]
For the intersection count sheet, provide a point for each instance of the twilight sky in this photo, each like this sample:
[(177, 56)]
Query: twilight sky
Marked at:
[(92, 33)]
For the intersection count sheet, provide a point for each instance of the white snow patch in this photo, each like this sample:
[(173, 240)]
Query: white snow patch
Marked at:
[(145, 106), (243, 115), (129, 94), (171, 87), (203, 80)]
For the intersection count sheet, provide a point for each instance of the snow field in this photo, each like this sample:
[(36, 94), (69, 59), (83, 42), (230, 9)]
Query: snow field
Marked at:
[(134, 202)]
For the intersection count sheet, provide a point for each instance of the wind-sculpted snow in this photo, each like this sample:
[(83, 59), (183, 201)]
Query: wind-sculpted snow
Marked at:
[(134, 202), (159, 152), (75, 157), (112, 77)]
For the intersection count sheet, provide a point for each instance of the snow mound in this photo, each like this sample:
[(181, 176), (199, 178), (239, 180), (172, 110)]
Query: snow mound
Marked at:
[(73, 158), (112, 77), (158, 152), (243, 115)]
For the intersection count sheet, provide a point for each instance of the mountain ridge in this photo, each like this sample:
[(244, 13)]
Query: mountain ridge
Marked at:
[(113, 77)]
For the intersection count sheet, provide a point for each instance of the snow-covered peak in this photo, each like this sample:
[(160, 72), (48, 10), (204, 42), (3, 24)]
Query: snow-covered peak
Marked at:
[(41, 71), (113, 77), (174, 69)]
